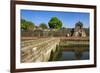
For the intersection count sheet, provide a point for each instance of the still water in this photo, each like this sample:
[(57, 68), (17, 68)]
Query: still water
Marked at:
[(66, 54)]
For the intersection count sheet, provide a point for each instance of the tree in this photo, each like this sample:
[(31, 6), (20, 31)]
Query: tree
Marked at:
[(23, 24), (30, 25), (27, 25), (43, 26), (80, 24), (55, 23), (72, 31)]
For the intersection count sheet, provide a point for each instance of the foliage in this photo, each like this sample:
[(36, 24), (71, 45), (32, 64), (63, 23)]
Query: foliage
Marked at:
[(72, 31), (43, 26), (55, 23), (27, 25), (23, 24)]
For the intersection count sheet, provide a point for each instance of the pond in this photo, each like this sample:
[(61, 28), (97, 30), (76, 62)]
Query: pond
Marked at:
[(73, 53)]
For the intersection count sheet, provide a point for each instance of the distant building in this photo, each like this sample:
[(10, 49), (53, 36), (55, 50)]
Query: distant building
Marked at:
[(79, 31)]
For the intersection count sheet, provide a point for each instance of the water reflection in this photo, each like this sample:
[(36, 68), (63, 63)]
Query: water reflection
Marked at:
[(67, 55), (85, 55), (73, 53)]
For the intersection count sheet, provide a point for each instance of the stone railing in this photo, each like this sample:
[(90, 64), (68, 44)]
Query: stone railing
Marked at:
[(38, 50)]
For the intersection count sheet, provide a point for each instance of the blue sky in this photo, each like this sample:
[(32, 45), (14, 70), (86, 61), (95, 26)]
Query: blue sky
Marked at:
[(68, 18)]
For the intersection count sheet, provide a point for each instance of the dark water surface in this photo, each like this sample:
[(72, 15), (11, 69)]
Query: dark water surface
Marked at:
[(70, 54)]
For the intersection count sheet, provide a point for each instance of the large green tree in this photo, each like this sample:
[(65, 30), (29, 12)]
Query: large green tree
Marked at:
[(43, 26), (23, 24), (55, 23), (27, 25)]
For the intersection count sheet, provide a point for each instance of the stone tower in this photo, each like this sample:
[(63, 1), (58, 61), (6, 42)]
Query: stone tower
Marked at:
[(79, 31)]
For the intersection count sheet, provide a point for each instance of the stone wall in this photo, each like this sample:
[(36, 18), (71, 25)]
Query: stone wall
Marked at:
[(79, 32)]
